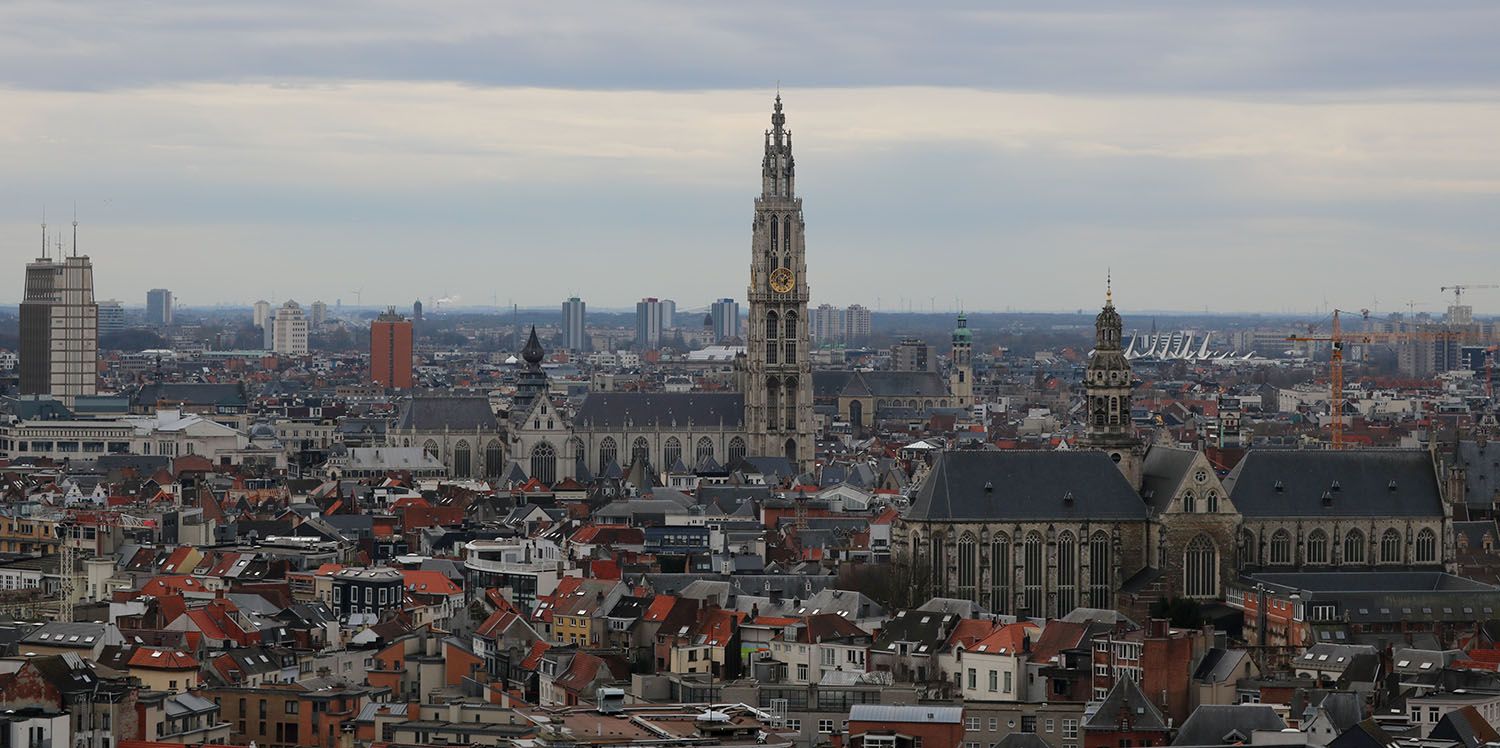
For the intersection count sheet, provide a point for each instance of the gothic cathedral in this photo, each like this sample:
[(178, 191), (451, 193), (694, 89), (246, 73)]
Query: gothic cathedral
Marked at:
[(778, 384)]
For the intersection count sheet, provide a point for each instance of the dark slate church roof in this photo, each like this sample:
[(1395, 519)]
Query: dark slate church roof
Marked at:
[(1359, 483), (614, 410), (1025, 485), (455, 413), (1481, 463)]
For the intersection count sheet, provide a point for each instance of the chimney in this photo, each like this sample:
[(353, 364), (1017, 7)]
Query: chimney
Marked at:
[(1157, 628)]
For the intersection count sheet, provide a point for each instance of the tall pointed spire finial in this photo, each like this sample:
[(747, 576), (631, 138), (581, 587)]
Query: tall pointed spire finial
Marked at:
[(1109, 287)]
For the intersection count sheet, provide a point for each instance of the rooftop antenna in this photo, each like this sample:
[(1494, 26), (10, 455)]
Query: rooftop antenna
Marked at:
[(75, 229), (44, 232)]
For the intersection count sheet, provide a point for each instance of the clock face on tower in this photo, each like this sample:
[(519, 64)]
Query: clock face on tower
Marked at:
[(782, 280)]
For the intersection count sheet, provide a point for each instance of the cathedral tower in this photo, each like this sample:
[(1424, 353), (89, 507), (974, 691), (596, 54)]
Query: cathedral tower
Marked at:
[(778, 376), (1107, 387)]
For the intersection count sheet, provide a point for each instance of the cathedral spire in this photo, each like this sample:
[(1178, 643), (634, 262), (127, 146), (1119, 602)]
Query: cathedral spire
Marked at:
[(777, 168)]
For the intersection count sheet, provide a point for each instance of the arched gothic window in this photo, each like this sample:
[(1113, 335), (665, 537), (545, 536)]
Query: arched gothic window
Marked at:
[(789, 400), (1101, 571), (736, 450), (1281, 548), (640, 451), (1200, 564), (1317, 548), (1000, 573), (1190, 503), (775, 232), (704, 450), (1390, 547), (1211, 502), (544, 463), (773, 327), (1035, 574), (609, 452), (1067, 573), (1354, 547), (494, 459), (463, 460), (790, 326), (968, 567), (671, 452), (1249, 548), (939, 564), (430, 447), (577, 451), (1426, 546)]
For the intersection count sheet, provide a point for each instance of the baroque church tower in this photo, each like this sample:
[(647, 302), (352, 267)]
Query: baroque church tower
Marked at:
[(1107, 387), (961, 379), (778, 377)]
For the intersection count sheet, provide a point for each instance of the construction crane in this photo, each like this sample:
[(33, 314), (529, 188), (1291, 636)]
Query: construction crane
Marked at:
[(1335, 378), (1459, 288)]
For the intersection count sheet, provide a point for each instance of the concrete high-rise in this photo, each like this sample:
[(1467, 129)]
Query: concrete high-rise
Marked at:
[(111, 317), (648, 324), (289, 330), (262, 313), (573, 312), (159, 307), (60, 328), (668, 314), (390, 350), (319, 314), (778, 377), (726, 317)]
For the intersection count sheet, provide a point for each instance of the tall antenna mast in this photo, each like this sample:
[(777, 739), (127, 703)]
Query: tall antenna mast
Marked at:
[(75, 229), (44, 231)]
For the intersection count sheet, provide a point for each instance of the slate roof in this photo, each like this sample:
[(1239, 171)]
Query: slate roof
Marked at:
[(1126, 697), (1162, 472), (452, 412), (1481, 463), (1025, 485), (644, 410), (190, 393), (1214, 724), (1359, 483), (1466, 726), (895, 384)]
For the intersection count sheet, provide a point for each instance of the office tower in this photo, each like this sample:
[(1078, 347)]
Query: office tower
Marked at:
[(416, 311), (390, 350), (648, 324), (59, 327), (573, 311), (778, 380), (319, 314), (726, 316), (289, 330), (668, 314), (111, 317), (263, 314), (159, 307)]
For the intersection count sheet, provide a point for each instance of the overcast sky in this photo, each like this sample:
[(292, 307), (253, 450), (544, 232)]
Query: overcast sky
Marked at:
[(1239, 157)]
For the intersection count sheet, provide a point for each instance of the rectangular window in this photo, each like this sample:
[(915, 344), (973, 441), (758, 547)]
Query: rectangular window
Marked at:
[(801, 672), (994, 681), (825, 726), (973, 680), (794, 724), (971, 724), (1047, 725), (1028, 723), (1007, 681), (1069, 729), (994, 724)]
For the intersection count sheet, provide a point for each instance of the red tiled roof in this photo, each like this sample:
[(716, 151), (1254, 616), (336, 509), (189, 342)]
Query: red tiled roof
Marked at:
[(970, 631), (172, 585), (659, 608), (429, 583), (162, 659), (1008, 639), (534, 657), (717, 626)]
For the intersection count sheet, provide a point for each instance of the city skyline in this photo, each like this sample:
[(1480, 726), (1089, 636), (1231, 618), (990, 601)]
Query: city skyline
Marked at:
[(1179, 155)]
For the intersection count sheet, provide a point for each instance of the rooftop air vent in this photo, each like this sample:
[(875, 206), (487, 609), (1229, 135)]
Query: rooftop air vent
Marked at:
[(1391, 486), (989, 487), (1280, 487), (1327, 498), (1068, 499)]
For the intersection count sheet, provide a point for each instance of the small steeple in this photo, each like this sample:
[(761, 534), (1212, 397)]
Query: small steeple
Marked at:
[(1109, 288), (778, 119), (532, 353)]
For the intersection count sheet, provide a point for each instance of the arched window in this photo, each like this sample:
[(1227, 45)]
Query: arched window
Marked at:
[(790, 327), (671, 452), (789, 401), (1317, 548), (608, 452), (1114, 410), (544, 463), (773, 327), (1354, 547), (1035, 573), (704, 450), (577, 451), (775, 232), (494, 459), (1200, 564), (1101, 571), (939, 564), (640, 451), (1390, 547), (1190, 502), (1281, 547), (968, 567), (736, 450), (463, 460), (1211, 502), (1067, 574), (773, 401), (430, 447), (1249, 548), (1426, 546), (1000, 573)]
